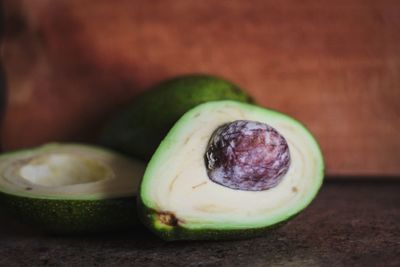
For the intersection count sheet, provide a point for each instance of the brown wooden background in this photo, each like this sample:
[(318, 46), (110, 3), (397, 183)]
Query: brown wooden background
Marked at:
[(335, 65)]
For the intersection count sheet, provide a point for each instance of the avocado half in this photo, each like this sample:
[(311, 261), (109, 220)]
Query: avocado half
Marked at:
[(138, 129), (70, 188), (179, 201)]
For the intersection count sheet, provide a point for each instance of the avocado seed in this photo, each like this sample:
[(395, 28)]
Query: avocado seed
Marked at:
[(247, 155)]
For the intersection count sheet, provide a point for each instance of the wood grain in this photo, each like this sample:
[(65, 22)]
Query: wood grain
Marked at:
[(334, 65)]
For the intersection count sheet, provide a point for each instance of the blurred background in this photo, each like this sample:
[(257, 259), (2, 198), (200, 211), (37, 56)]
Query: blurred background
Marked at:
[(334, 65)]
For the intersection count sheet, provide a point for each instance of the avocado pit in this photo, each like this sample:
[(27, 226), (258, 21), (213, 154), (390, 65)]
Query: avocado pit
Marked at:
[(247, 155)]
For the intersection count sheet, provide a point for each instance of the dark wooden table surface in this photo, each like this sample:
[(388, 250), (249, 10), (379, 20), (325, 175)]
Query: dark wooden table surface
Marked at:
[(351, 223)]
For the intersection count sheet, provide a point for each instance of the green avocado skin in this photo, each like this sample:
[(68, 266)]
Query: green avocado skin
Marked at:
[(149, 218), (73, 216), (138, 130)]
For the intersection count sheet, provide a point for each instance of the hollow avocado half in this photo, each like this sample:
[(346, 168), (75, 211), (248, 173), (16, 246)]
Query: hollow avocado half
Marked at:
[(139, 128), (179, 201), (71, 188)]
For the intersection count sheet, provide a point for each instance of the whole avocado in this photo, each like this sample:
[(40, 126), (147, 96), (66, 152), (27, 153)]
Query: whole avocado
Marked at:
[(138, 130)]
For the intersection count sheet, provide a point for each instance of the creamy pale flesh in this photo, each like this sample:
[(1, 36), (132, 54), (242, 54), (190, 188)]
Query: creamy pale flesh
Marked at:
[(176, 180), (69, 171)]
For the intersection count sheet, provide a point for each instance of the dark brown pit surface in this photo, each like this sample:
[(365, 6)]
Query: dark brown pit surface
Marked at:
[(247, 155)]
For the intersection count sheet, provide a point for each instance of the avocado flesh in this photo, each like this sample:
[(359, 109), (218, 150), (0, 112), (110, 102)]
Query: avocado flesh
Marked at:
[(176, 181), (70, 188), (138, 130)]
